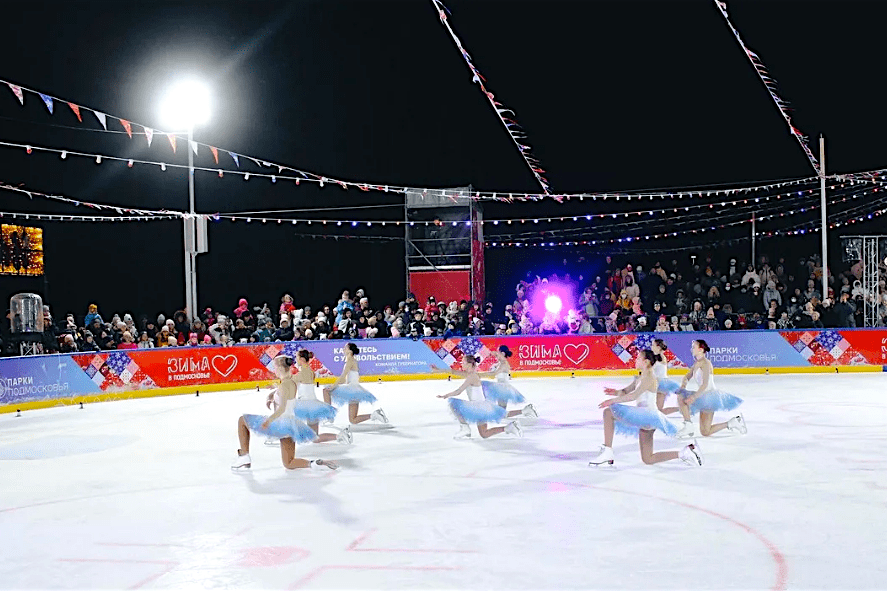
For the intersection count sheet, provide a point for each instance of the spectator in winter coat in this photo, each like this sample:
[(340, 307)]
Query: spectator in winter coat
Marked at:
[(771, 293), (751, 276), (92, 315)]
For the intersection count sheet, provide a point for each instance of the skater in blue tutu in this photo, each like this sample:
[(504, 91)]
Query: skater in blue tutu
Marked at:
[(501, 391), (641, 420), (347, 389), (477, 409), (309, 408), (660, 370), (707, 398), (282, 424)]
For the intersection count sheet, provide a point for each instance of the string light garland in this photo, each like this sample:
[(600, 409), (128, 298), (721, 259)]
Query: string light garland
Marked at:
[(99, 206), (53, 217), (511, 126), (806, 227), (869, 177)]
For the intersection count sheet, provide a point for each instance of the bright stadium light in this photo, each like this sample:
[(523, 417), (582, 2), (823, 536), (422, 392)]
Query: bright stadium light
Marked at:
[(185, 105), (553, 304)]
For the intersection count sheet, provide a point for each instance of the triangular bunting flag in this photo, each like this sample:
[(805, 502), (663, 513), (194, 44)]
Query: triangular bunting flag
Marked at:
[(47, 100), (172, 141), (101, 118), (149, 134), (193, 146), (76, 110), (236, 159), (17, 91), (215, 152), (127, 126)]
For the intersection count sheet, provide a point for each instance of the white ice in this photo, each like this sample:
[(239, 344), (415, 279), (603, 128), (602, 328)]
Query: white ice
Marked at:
[(140, 494)]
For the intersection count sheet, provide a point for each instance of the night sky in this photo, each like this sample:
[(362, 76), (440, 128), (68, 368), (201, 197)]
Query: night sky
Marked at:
[(613, 95)]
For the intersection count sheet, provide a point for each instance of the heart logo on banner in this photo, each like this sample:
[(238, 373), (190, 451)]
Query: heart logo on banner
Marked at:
[(576, 353), (224, 365)]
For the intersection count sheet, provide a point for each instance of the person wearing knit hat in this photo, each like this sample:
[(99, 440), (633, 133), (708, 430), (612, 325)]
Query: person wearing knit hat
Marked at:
[(92, 315)]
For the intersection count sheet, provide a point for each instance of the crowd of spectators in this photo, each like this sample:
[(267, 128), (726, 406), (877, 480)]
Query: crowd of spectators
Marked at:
[(627, 297)]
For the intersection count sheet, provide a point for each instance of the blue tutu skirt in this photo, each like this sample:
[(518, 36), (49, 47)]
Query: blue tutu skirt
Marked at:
[(314, 411), (502, 392), (631, 419), (348, 393), (712, 401), (476, 411), (284, 426), (668, 386)]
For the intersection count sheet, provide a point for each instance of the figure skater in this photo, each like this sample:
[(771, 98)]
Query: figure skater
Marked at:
[(477, 409), (641, 420), (282, 424), (501, 391), (352, 392), (707, 399), (309, 408), (660, 370)]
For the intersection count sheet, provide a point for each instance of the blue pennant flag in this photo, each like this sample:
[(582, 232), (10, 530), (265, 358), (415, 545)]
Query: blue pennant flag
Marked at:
[(48, 101)]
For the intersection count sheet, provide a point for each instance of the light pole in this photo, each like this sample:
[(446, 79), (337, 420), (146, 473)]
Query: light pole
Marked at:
[(185, 105)]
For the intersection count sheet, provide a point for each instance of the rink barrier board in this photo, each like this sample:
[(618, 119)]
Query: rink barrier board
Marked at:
[(182, 391), (50, 380)]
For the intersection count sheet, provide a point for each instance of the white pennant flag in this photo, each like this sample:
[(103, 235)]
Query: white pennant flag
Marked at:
[(194, 146), (102, 119), (149, 135)]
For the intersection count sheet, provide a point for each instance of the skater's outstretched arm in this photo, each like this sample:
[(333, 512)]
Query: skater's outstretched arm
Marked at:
[(631, 392), (457, 391), (620, 391)]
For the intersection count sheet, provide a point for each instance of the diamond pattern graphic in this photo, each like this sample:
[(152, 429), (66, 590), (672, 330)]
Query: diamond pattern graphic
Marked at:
[(807, 337), (443, 353), (91, 370), (265, 360), (118, 361), (97, 362), (625, 341), (829, 338), (470, 345), (644, 341), (618, 350), (807, 353), (799, 346), (449, 345), (625, 356)]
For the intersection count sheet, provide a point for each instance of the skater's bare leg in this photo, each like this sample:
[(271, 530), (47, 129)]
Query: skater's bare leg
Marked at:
[(645, 440), (705, 426)]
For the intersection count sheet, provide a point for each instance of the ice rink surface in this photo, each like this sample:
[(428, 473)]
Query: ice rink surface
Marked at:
[(139, 494)]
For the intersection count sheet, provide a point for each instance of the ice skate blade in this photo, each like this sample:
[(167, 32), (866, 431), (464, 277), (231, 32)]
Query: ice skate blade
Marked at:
[(243, 468), (607, 464)]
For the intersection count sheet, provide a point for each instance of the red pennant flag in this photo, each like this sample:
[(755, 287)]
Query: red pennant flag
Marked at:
[(127, 126), (17, 91), (172, 141), (215, 152), (76, 110)]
